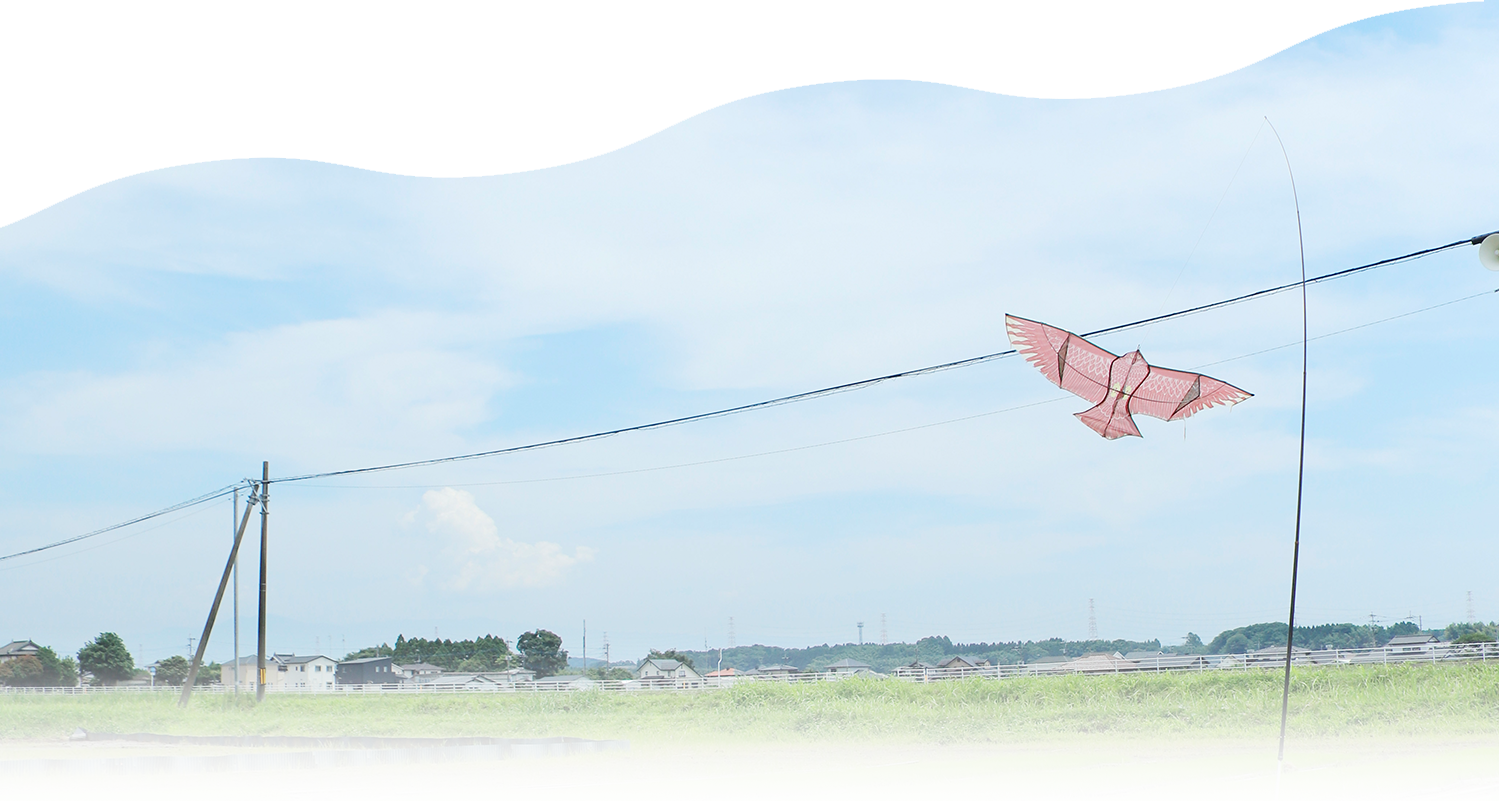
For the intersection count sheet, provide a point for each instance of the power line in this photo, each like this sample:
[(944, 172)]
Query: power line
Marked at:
[(212, 496), (781, 401), (869, 382)]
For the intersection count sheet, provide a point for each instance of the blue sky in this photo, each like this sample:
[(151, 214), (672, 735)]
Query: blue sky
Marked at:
[(171, 330)]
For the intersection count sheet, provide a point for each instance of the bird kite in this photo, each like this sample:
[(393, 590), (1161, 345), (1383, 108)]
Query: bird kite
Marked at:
[(1118, 386)]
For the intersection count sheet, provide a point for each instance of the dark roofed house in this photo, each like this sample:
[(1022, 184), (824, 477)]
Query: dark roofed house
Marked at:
[(847, 667), (369, 670), (775, 671), (962, 663), (418, 672), (18, 649)]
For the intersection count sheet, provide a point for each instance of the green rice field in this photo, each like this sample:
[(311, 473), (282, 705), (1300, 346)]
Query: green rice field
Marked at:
[(1442, 700)]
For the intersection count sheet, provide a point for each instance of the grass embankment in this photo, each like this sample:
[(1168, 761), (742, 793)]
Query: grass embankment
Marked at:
[(1394, 700)]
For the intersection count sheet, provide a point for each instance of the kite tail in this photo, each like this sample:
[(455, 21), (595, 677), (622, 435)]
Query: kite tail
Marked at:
[(1108, 421)]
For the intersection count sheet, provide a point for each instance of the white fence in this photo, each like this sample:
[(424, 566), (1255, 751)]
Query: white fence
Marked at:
[(1434, 654)]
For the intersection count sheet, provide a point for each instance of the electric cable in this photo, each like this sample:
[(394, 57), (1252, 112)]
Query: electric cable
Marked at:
[(869, 382), (766, 404), (201, 499)]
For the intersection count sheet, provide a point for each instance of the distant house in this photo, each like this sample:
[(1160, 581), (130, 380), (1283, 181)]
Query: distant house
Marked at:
[(1410, 643), (466, 681), (1048, 664), (1102, 663), (574, 681), (1276, 653), (916, 669), (18, 649), (1159, 660), (727, 675), (848, 667), (316, 672), (775, 671), (369, 670), (962, 663), (418, 672), (665, 671), (512, 676)]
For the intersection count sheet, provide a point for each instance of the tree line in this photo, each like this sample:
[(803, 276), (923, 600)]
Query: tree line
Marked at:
[(884, 658), (540, 651)]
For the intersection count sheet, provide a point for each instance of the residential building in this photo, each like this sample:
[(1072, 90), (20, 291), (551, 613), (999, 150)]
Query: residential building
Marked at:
[(1410, 643), (421, 671), (848, 667), (283, 671), (917, 668), (18, 649), (665, 671), (575, 681), (962, 663), (369, 670), (776, 671), (1102, 663)]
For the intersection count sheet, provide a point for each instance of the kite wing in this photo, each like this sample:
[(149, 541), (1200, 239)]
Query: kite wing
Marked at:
[(1173, 394), (1066, 359)]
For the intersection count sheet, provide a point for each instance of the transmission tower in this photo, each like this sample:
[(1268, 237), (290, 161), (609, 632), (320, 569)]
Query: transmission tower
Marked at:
[(1092, 622), (884, 639), (1472, 616), (731, 631)]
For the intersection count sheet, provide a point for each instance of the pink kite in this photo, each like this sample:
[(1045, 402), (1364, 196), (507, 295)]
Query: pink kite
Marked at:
[(1118, 386)]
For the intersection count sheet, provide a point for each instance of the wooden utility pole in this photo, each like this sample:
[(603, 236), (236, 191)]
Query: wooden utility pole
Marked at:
[(192, 671), (265, 511)]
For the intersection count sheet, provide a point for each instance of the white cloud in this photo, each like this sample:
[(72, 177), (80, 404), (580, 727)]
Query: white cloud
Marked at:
[(476, 557)]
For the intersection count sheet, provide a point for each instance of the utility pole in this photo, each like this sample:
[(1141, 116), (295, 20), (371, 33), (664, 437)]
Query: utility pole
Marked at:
[(213, 611), (234, 530), (606, 651), (265, 511)]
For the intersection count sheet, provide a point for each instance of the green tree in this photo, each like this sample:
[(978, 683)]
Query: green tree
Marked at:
[(1237, 644), (172, 670), (24, 671), (672, 653), (542, 652), (209, 674), (106, 658), (57, 672)]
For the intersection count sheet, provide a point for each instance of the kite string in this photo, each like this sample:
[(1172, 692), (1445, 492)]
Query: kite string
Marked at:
[(1285, 693), (1213, 216)]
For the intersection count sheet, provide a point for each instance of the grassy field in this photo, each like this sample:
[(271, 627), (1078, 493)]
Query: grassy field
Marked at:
[(1373, 729), (1335, 702)]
